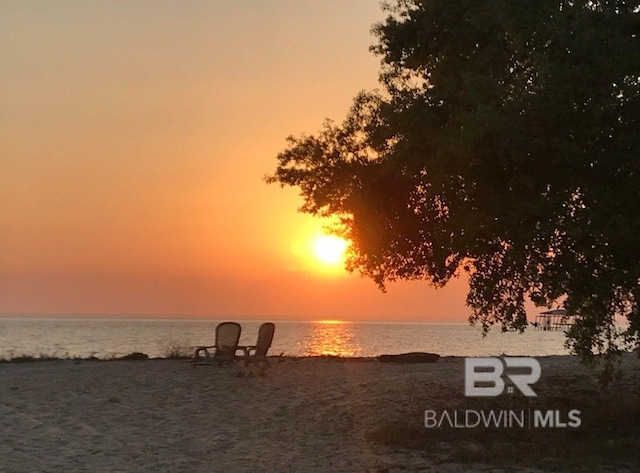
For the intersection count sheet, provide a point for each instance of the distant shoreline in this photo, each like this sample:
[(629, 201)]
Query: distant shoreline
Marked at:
[(139, 356), (215, 319)]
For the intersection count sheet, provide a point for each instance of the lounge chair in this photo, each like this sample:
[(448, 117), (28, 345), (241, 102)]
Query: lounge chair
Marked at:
[(257, 354), (226, 345)]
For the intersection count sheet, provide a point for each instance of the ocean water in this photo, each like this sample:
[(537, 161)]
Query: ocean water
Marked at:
[(106, 338)]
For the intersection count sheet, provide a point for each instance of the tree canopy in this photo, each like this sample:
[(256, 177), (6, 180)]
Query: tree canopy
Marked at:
[(503, 142)]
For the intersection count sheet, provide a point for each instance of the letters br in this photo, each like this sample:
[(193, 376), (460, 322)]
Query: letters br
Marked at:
[(484, 375)]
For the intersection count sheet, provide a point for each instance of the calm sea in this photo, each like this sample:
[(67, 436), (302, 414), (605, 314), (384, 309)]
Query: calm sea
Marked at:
[(105, 338)]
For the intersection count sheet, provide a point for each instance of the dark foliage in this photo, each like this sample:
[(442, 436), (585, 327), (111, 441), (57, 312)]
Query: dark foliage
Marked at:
[(504, 143)]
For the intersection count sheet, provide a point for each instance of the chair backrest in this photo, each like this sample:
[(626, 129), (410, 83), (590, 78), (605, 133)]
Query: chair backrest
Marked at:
[(265, 337), (227, 337)]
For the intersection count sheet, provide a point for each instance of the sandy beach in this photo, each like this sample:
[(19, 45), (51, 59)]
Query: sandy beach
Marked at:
[(304, 415)]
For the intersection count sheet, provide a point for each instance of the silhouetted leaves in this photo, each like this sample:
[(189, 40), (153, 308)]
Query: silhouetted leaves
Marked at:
[(504, 142)]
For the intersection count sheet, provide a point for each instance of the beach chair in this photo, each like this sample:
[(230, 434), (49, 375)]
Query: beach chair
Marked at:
[(257, 354), (224, 350)]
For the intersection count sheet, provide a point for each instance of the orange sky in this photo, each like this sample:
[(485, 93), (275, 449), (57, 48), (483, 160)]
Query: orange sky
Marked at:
[(134, 138)]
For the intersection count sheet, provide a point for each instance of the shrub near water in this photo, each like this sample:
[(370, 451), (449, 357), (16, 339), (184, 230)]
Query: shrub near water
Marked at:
[(176, 351), (173, 352), (30, 358)]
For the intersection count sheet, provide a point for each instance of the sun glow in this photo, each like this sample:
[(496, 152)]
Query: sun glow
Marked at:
[(332, 338), (330, 249), (316, 251)]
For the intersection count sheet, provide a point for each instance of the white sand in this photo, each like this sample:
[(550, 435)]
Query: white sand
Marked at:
[(308, 415)]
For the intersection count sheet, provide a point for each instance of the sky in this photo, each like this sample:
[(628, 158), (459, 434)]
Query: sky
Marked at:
[(134, 141)]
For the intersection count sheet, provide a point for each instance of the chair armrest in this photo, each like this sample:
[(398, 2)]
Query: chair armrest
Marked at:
[(250, 350), (246, 349), (204, 350)]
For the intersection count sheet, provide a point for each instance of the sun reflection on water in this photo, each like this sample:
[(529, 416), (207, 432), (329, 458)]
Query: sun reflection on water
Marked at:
[(332, 337)]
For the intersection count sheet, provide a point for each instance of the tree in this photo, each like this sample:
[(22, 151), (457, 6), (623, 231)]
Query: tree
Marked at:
[(504, 143)]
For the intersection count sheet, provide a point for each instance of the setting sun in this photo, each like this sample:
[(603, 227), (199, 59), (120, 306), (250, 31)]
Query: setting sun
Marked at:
[(316, 251), (329, 249)]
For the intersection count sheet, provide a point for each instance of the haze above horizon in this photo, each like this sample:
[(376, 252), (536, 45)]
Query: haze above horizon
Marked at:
[(135, 137)]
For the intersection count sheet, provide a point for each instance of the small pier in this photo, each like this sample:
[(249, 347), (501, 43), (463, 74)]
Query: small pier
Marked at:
[(556, 319)]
